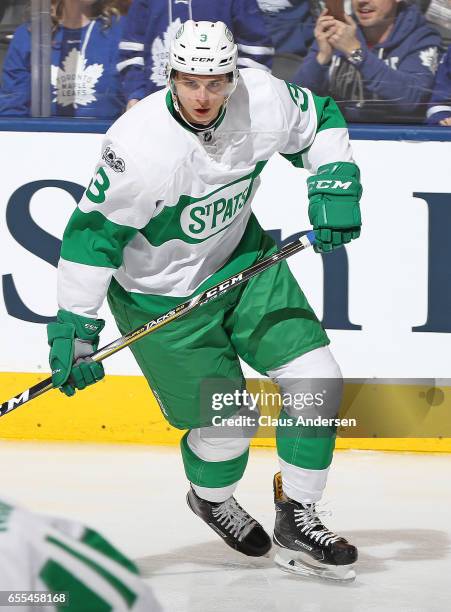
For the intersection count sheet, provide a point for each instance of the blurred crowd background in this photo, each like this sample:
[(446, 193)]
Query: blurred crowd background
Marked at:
[(384, 61)]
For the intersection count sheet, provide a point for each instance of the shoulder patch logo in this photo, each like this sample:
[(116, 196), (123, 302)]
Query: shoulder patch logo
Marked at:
[(111, 160), (429, 58)]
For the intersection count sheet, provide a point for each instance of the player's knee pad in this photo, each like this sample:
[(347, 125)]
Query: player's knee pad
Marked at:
[(226, 441), (311, 385)]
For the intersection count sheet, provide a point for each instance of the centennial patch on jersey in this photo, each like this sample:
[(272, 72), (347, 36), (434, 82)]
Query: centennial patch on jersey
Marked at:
[(113, 161)]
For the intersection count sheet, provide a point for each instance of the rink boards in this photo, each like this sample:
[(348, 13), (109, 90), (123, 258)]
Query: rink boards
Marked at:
[(386, 300)]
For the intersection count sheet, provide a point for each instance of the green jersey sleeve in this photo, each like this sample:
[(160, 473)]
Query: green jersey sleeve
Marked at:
[(316, 132)]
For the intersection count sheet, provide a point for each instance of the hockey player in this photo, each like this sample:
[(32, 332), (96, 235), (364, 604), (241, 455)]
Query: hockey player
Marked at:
[(168, 214), (49, 563)]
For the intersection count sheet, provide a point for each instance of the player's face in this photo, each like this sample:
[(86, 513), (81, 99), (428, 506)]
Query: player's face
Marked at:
[(374, 12), (201, 97)]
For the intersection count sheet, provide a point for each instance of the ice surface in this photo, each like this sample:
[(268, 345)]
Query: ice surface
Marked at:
[(395, 507)]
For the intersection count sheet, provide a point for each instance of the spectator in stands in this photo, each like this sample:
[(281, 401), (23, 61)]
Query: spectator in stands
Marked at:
[(438, 12), (151, 24), (290, 23), (439, 110), (85, 47), (379, 65)]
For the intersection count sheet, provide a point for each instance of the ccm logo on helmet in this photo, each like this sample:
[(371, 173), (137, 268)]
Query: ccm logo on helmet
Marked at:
[(202, 59)]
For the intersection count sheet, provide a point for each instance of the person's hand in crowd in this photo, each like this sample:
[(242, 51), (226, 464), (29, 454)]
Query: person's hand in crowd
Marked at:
[(446, 121), (131, 103), (322, 33), (343, 36)]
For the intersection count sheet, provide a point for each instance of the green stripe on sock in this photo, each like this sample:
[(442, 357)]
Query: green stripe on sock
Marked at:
[(213, 474)]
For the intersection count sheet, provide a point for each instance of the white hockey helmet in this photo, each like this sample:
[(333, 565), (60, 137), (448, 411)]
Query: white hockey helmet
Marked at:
[(203, 48)]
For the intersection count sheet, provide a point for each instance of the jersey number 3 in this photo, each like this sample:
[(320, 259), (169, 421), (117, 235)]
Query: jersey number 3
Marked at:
[(101, 184)]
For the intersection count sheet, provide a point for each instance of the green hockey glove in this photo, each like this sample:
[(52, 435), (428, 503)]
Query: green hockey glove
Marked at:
[(334, 211), (71, 338)]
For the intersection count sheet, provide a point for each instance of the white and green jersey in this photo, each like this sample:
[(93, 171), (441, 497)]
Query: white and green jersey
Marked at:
[(54, 555), (169, 209)]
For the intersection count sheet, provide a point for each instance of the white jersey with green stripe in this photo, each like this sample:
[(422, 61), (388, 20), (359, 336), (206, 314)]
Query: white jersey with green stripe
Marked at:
[(168, 207), (57, 556)]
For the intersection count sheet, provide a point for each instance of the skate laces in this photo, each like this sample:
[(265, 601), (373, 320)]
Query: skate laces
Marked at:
[(233, 518), (307, 519)]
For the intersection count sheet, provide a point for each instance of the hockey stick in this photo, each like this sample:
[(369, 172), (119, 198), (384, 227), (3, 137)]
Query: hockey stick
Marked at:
[(302, 243)]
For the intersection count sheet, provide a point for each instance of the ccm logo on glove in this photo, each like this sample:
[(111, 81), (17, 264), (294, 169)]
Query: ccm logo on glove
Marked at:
[(328, 184)]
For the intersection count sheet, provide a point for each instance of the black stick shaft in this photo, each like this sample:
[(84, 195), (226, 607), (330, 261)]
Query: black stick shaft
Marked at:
[(179, 311)]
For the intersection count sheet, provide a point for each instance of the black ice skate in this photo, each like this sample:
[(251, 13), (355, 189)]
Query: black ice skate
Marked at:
[(235, 526), (304, 545)]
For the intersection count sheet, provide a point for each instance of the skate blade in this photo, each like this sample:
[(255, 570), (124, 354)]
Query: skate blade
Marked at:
[(301, 564)]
